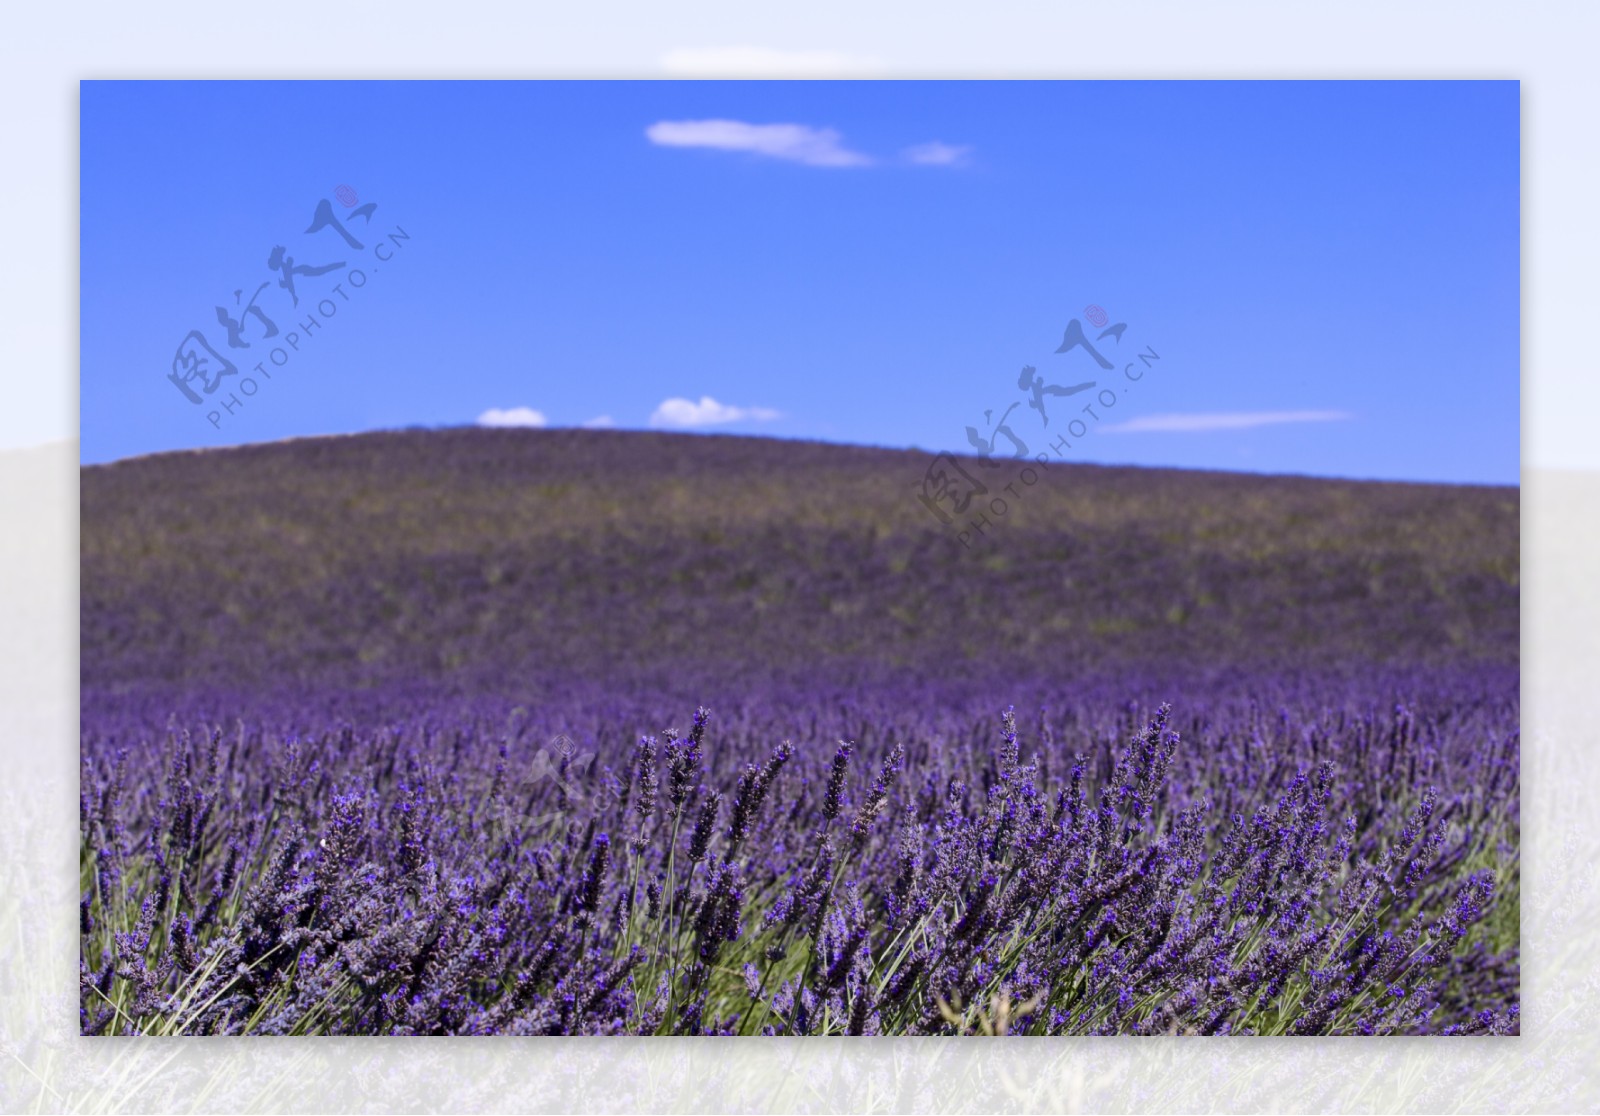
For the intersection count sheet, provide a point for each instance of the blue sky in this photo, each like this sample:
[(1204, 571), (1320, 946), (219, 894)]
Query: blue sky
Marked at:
[(1329, 272)]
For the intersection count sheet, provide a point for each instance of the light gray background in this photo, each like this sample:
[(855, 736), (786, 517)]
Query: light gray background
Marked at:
[(44, 51)]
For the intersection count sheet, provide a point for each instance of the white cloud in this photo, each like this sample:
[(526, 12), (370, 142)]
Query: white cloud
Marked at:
[(599, 422), (1238, 420), (685, 413), (754, 61), (798, 143), (512, 416), (936, 154)]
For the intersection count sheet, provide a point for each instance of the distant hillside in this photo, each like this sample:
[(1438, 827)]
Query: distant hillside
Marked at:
[(481, 555)]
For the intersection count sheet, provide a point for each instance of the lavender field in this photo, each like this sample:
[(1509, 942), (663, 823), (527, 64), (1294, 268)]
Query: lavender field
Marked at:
[(590, 732)]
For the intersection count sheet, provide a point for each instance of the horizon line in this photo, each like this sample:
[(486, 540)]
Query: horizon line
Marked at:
[(535, 431)]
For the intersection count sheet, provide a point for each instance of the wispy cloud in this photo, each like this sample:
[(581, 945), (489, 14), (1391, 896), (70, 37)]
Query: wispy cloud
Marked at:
[(936, 154), (599, 422), (512, 416), (685, 413), (754, 61), (797, 143), (1224, 420)]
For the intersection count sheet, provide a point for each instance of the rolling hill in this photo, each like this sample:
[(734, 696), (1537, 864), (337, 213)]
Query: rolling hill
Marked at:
[(480, 558)]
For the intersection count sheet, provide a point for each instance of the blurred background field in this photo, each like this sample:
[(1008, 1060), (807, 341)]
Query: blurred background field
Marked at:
[(498, 561)]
